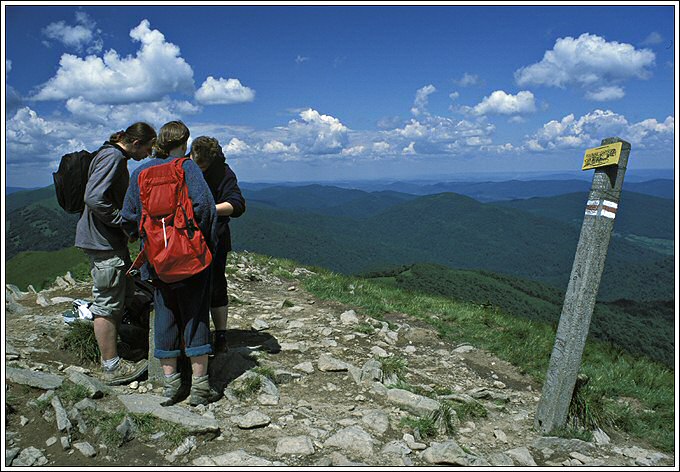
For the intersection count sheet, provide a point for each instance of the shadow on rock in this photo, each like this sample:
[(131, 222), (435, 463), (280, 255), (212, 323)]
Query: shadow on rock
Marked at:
[(225, 367)]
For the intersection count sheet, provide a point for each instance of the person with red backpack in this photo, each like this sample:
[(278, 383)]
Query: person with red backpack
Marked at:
[(100, 235), (170, 207)]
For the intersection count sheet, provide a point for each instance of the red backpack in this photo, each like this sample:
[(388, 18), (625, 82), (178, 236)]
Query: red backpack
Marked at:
[(173, 244)]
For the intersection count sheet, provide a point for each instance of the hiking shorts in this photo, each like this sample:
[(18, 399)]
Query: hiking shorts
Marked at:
[(111, 288)]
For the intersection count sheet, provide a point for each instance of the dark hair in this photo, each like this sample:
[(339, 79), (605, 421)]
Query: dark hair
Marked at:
[(139, 131), (170, 136), (206, 150)]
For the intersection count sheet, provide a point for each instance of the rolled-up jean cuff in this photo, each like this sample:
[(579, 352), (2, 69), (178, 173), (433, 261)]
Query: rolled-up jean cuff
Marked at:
[(203, 350), (160, 354)]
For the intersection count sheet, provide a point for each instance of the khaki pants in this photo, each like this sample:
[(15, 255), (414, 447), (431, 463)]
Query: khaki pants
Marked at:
[(111, 287)]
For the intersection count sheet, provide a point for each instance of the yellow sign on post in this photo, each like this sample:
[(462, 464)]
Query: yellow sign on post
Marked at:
[(602, 156)]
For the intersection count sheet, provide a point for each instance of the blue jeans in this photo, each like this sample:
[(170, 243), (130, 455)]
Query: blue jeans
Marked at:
[(182, 319)]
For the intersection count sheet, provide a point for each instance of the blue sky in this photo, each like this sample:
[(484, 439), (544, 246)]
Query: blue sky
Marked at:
[(301, 93)]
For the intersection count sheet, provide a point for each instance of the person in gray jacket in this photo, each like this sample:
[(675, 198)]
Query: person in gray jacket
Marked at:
[(100, 235)]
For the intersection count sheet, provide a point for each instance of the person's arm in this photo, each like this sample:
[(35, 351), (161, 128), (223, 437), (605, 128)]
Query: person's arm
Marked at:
[(224, 209), (232, 202), (104, 174), (131, 212)]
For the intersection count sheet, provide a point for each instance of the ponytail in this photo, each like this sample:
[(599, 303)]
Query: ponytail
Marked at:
[(117, 137), (139, 131), (171, 135)]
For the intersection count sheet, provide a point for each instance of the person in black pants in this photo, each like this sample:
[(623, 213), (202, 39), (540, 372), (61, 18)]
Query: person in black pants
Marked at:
[(208, 155)]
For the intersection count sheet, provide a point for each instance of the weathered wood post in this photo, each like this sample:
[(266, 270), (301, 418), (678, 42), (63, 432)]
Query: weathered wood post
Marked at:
[(610, 161), (155, 371)]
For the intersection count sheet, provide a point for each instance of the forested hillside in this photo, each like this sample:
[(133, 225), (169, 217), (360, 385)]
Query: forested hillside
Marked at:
[(637, 327), (351, 231)]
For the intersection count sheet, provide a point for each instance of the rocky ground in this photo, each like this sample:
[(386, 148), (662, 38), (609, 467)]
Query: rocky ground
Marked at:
[(307, 383)]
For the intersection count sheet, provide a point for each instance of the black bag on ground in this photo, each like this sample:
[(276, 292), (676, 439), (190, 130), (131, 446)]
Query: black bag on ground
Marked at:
[(134, 326), (70, 180)]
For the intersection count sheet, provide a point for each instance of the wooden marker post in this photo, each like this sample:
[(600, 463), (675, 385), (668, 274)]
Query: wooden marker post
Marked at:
[(609, 161), (155, 373)]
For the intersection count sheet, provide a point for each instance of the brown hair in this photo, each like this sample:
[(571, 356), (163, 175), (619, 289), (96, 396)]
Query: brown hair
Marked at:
[(170, 136), (139, 131), (205, 150)]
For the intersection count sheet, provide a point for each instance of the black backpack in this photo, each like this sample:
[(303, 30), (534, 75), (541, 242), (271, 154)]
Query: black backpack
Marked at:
[(71, 178)]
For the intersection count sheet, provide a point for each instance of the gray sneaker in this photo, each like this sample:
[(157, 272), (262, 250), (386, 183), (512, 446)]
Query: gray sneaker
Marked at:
[(126, 372), (171, 385), (202, 393)]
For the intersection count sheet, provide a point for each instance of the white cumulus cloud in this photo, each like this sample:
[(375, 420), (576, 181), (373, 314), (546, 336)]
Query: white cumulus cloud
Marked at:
[(591, 128), (354, 150), (318, 134), (236, 147), (420, 102), (83, 36), (35, 141), (156, 71), (223, 92), (410, 149), (501, 103), (155, 113), (467, 80), (588, 61), (277, 147), (606, 93)]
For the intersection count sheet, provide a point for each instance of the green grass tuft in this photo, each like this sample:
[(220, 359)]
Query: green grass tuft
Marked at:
[(71, 393), (365, 328), (446, 415), (425, 427), (81, 340), (393, 366), (467, 410), (248, 387), (266, 372)]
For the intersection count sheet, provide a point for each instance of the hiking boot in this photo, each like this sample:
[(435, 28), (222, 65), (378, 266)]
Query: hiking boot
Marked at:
[(220, 342), (201, 392), (125, 373), (172, 384)]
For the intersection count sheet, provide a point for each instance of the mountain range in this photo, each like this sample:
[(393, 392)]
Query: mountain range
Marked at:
[(354, 231)]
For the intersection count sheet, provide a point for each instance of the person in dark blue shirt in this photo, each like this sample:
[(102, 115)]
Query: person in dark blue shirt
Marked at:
[(208, 155)]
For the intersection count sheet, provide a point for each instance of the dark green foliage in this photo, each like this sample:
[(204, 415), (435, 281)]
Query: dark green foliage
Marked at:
[(351, 231), (39, 227), (451, 230), (645, 328), (639, 214)]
